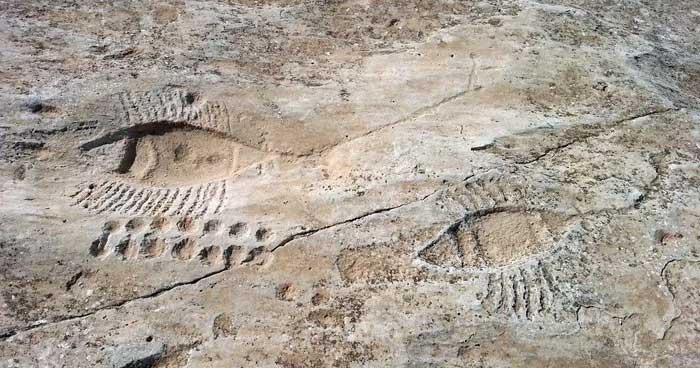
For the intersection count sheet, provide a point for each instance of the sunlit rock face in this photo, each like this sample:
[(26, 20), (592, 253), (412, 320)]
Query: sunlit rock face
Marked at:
[(349, 184)]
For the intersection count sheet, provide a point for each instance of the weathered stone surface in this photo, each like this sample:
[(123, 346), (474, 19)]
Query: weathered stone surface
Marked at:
[(349, 184)]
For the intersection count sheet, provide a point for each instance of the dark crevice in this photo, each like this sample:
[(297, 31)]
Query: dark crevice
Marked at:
[(73, 280), (307, 233), (154, 294), (554, 149), (638, 201), (595, 131), (482, 147)]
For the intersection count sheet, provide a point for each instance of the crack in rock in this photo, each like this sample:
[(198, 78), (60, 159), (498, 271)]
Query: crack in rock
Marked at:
[(307, 233), (164, 290), (583, 136), (154, 294)]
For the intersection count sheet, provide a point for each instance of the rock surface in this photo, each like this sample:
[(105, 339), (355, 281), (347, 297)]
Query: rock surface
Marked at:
[(299, 183)]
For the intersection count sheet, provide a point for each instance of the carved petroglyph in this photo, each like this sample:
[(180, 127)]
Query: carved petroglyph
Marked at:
[(175, 157), (180, 239), (125, 198)]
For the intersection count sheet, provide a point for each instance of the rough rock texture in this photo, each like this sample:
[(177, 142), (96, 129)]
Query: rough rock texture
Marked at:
[(365, 183)]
